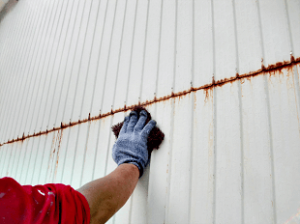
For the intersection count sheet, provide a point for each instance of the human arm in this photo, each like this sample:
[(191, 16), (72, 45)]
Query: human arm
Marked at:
[(107, 195)]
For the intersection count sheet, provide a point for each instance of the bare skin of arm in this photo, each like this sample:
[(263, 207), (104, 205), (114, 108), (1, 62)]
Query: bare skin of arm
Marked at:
[(107, 195)]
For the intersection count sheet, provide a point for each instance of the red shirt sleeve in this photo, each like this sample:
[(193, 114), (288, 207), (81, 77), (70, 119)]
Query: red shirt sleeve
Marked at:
[(49, 203)]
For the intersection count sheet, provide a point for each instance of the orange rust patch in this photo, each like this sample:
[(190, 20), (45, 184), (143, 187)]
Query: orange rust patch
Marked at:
[(269, 69)]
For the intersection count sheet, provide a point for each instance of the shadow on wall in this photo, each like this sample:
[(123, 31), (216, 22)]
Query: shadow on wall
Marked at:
[(6, 6)]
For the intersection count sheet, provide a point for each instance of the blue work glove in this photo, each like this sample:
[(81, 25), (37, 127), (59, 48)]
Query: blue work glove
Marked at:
[(131, 145)]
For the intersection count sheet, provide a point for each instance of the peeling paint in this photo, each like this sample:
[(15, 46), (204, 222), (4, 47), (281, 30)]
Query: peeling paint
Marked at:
[(270, 69)]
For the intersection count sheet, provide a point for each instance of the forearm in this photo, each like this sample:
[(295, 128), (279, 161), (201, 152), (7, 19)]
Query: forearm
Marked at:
[(108, 194)]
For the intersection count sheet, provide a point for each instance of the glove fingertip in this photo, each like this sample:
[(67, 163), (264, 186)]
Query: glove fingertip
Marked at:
[(133, 113), (154, 122), (143, 112), (148, 128), (151, 125)]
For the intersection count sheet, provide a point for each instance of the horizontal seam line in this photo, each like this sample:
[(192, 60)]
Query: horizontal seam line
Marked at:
[(270, 68)]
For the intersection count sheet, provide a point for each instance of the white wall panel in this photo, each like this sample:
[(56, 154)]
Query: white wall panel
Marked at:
[(256, 144), (283, 104), (12, 160), (138, 53), (231, 150), (150, 62), (203, 43), (14, 172), (57, 79), (7, 157), (89, 154), (8, 80), (80, 152), (103, 57), (102, 148), (48, 148), (45, 66), (4, 157), (80, 61), (224, 40), (5, 39), (293, 11), (184, 52), (74, 55), (38, 162), (85, 87), (180, 179), (40, 77), (247, 31), (228, 202), (125, 55), (165, 83), (70, 156), (275, 31), (66, 57), (59, 74), (30, 64), (24, 160), (54, 153), (203, 159), (32, 155), (113, 63)]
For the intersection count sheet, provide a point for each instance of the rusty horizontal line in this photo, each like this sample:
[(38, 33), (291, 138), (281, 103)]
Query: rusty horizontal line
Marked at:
[(271, 68)]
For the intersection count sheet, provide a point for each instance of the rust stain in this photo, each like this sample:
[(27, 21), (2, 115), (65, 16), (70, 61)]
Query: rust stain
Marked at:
[(59, 143), (290, 80), (58, 149), (208, 93), (297, 110), (195, 101), (294, 86), (269, 69), (86, 148), (53, 143), (52, 146), (56, 139)]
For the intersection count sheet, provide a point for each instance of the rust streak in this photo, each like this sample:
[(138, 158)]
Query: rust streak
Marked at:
[(271, 69), (57, 158)]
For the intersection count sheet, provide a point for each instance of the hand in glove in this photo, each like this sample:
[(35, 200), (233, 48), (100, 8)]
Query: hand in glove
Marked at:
[(131, 145)]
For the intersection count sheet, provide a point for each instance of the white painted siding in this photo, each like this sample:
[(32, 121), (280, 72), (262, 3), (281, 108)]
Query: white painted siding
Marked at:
[(231, 151)]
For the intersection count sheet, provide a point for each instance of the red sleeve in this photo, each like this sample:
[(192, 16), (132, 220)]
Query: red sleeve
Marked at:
[(49, 203)]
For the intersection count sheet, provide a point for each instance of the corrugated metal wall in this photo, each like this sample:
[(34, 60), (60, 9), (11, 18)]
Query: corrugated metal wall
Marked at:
[(220, 77)]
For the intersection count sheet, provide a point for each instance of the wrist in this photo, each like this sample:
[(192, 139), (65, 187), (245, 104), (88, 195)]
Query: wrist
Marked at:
[(131, 168)]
